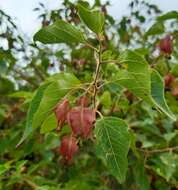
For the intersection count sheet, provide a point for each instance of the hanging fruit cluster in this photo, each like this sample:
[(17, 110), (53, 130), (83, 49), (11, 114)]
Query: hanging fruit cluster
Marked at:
[(80, 119)]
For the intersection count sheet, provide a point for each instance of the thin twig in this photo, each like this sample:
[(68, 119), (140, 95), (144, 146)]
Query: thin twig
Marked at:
[(26, 78), (30, 183), (110, 61), (38, 71), (98, 63), (99, 113), (90, 46), (168, 149)]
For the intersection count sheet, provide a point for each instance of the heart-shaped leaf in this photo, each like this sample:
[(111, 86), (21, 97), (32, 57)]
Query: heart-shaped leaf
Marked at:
[(113, 139), (142, 81)]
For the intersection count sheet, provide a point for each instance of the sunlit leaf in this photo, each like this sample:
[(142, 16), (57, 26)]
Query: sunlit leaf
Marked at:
[(157, 28), (92, 18), (53, 94), (49, 124), (168, 15), (59, 32), (113, 139), (32, 110), (136, 76)]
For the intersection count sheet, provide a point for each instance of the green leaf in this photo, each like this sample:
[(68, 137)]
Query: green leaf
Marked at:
[(105, 99), (6, 86), (5, 167), (92, 18), (21, 94), (167, 16), (2, 115), (51, 141), (140, 176), (54, 93), (32, 110), (157, 93), (165, 164), (3, 67), (141, 82), (19, 164), (59, 32), (136, 76), (49, 124), (75, 184), (133, 144), (174, 70), (113, 139), (157, 28)]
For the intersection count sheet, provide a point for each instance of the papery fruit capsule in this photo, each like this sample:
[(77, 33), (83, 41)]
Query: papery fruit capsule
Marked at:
[(61, 111), (165, 45), (68, 147), (83, 101), (81, 120), (168, 80)]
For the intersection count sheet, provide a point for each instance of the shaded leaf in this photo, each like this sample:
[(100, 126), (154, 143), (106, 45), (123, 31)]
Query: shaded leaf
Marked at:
[(140, 176), (3, 67), (133, 144), (157, 94), (51, 141), (6, 86), (165, 164)]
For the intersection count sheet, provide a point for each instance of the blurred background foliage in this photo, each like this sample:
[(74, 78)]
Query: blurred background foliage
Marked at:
[(36, 164)]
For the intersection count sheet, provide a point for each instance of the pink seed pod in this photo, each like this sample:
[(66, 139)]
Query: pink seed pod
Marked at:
[(165, 45)]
